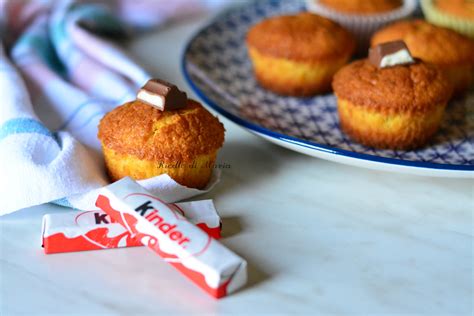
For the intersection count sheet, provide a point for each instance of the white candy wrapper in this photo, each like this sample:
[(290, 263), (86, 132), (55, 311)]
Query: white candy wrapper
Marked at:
[(205, 261), (168, 190), (94, 230)]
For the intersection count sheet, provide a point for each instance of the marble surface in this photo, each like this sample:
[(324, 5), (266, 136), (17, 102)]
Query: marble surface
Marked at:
[(320, 238)]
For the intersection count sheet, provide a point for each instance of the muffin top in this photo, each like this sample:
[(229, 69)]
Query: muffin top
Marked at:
[(301, 37), (414, 87), (145, 132), (362, 6), (429, 42), (459, 8)]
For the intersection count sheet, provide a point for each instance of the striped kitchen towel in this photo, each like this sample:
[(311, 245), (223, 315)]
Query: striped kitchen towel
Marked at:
[(58, 76)]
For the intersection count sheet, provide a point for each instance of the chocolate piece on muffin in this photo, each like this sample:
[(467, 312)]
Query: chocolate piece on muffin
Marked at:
[(298, 54), (390, 54), (451, 51), (162, 95), (141, 141), (398, 107)]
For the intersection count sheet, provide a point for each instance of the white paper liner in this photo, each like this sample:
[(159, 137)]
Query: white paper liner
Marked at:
[(363, 26)]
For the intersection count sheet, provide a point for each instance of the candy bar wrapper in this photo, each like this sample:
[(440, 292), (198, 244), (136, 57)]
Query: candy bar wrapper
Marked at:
[(93, 230), (201, 258)]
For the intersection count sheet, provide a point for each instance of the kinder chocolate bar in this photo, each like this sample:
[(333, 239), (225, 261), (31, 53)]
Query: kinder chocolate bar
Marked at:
[(162, 95), (92, 230), (201, 258)]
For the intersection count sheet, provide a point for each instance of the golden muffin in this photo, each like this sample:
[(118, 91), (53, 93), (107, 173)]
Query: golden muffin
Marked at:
[(460, 8), (457, 15), (451, 51), (298, 54), (399, 107), (362, 6), (141, 142)]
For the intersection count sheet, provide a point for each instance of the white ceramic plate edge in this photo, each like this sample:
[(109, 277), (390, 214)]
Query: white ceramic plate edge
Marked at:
[(380, 166)]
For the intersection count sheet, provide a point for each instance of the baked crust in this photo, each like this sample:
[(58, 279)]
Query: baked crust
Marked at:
[(362, 6), (147, 133), (302, 37), (429, 42), (409, 88)]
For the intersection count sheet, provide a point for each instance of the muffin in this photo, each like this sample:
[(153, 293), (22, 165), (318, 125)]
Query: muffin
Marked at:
[(298, 54), (362, 17), (399, 107), (454, 14), (460, 8), (141, 142), (451, 51)]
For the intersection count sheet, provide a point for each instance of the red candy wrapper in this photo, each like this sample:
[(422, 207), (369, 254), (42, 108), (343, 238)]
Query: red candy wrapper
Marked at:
[(189, 249), (93, 230)]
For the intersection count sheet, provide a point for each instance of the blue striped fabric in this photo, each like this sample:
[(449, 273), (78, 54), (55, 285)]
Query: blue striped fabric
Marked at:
[(38, 45), (76, 111), (76, 75), (24, 125), (93, 116)]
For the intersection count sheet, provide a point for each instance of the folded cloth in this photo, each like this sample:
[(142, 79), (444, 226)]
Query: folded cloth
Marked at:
[(64, 75)]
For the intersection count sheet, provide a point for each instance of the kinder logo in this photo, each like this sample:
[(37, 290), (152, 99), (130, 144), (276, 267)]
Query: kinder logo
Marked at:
[(98, 217), (92, 218), (173, 226), (151, 214), (89, 218), (102, 218)]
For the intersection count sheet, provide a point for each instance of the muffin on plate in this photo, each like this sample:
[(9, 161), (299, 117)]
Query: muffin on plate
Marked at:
[(396, 107), (362, 17), (460, 8), (454, 14), (140, 141), (298, 54), (362, 6), (451, 51)]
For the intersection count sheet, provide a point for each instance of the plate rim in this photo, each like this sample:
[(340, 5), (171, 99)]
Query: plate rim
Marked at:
[(297, 141)]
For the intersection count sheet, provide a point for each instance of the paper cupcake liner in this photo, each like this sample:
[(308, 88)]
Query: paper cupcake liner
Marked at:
[(440, 18), (362, 26)]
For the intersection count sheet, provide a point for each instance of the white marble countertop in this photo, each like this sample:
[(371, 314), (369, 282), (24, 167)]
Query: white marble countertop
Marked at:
[(320, 238)]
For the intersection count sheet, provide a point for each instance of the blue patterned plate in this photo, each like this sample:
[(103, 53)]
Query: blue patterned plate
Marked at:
[(216, 65)]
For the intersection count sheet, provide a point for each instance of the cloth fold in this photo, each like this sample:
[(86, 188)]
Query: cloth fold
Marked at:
[(61, 78)]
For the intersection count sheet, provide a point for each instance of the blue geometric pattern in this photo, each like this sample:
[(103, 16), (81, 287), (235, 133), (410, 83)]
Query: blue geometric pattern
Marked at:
[(217, 66)]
